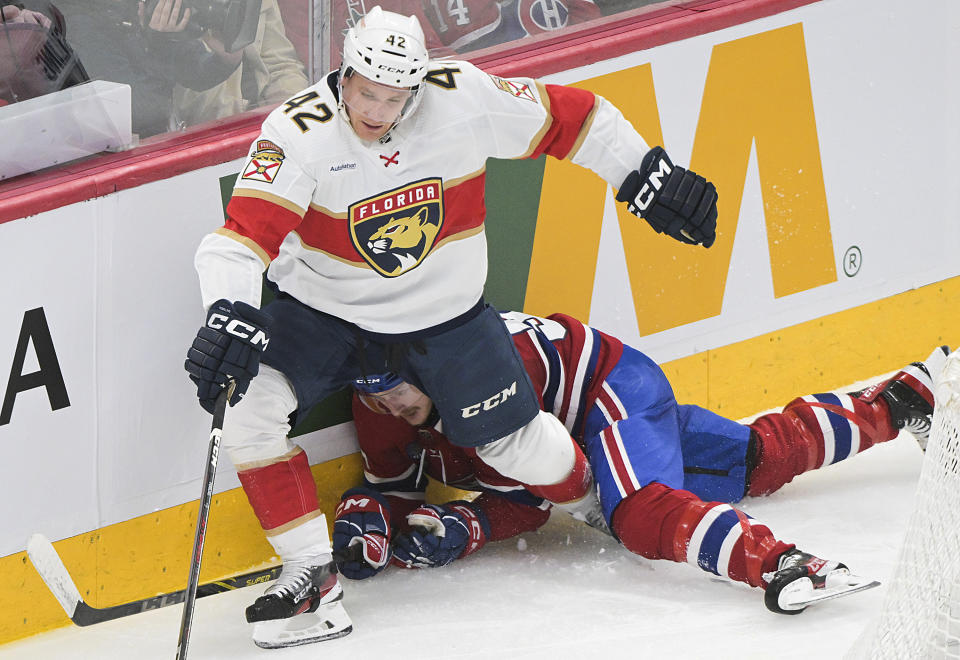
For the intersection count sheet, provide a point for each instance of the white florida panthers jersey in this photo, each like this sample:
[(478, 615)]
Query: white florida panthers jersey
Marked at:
[(389, 235)]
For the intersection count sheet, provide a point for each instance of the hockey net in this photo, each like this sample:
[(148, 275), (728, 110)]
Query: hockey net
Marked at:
[(920, 617)]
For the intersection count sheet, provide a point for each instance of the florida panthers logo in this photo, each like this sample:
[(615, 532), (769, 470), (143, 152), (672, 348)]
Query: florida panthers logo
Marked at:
[(396, 230)]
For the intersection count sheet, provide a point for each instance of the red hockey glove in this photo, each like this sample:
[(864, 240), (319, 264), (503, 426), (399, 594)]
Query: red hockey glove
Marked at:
[(441, 534), (363, 518)]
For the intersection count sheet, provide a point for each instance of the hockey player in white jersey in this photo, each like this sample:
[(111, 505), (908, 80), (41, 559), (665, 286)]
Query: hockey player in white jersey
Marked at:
[(363, 198)]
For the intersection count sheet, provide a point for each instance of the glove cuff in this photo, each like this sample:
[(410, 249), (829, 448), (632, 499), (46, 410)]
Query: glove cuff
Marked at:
[(363, 491), (255, 316), (476, 521)]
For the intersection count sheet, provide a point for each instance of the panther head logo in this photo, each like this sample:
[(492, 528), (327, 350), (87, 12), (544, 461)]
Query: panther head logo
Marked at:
[(396, 230), (404, 238)]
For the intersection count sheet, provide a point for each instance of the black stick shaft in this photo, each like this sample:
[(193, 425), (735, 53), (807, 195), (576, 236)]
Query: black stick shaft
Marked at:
[(203, 515)]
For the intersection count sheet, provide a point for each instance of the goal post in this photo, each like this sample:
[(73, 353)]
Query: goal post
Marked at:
[(920, 615)]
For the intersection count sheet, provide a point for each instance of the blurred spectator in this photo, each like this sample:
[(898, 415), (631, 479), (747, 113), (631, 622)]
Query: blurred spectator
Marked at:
[(187, 61), (269, 72), (35, 58)]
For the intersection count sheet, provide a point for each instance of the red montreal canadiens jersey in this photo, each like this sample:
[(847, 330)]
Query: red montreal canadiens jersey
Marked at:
[(389, 235), (461, 24), (567, 362)]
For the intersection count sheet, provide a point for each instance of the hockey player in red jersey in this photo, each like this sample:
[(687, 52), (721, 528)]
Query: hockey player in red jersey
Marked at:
[(459, 26), (665, 473), (363, 199), (468, 25)]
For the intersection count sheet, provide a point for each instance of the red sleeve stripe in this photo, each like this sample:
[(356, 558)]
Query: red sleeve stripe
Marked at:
[(571, 109), (262, 221), (260, 252), (534, 150), (269, 197)]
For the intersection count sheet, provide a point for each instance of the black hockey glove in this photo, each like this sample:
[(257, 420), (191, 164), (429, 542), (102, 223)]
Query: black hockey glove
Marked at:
[(228, 346), (674, 200), (441, 534), (363, 518)]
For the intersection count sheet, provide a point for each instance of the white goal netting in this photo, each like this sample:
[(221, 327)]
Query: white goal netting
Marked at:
[(920, 618)]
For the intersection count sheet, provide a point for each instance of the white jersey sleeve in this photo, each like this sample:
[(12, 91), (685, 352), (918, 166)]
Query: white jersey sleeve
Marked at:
[(229, 263)]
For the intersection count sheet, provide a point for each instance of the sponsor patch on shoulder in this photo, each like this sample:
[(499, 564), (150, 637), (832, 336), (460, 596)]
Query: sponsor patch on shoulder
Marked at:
[(514, 88), (264, 163)]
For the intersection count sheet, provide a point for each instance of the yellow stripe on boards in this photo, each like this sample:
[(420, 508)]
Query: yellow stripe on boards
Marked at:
[(757, 91), (567, 240), (821, 355), (149, 555)]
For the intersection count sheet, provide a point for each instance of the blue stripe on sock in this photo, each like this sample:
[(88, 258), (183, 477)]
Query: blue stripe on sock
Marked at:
[(708, 555), (842, 435)]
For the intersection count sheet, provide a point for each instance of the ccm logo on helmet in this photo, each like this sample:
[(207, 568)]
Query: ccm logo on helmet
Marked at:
[(490, 403), (238, 328), (653, 183)]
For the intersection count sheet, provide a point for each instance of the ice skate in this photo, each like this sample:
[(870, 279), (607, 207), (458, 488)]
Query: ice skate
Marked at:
[(302, 607), (802, 579), (909, 395), (587, 509)]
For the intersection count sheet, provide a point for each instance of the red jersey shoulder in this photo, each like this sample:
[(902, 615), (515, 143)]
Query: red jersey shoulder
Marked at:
[(539, 16), (459, 22)]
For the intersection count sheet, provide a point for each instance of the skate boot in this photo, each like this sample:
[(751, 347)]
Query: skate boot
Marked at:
[(302, 607), (802, 579), (587, 509), (909, 395)]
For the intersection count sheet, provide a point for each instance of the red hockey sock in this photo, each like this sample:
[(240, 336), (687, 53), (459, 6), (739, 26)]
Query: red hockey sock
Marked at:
[(659, 522), (281, 492), (814, 431)]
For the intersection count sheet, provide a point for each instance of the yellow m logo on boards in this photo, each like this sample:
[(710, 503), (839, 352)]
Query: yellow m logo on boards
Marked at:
[(757, 92)]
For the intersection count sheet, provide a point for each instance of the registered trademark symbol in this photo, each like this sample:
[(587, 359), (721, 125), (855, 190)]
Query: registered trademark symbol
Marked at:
[(852, 260)]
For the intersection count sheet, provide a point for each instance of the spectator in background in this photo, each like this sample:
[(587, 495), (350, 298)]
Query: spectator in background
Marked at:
[(265, 72), (184, 62), (35, 58)]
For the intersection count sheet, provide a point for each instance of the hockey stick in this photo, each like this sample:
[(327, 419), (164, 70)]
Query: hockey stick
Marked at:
[(55, 575), (206, 495), (51, 569)]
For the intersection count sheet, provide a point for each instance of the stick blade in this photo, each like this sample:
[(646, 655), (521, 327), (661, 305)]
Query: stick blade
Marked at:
[(51, 569)]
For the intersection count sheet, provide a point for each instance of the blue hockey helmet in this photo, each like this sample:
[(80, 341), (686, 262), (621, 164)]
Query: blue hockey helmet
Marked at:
[(377, 383)]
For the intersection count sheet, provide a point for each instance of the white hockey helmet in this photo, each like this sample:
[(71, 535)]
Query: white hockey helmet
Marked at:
[(387, 48)]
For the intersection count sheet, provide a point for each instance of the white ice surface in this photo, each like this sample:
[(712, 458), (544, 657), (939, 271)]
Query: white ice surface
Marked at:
[(570, 592)]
